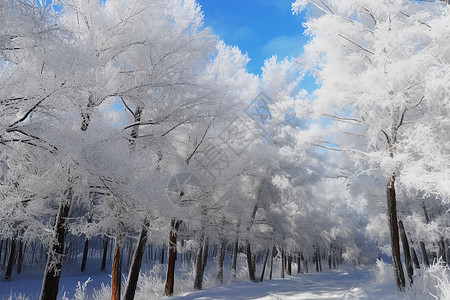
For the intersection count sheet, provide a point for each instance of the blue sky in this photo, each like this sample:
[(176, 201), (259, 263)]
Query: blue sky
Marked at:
[(261, 28)]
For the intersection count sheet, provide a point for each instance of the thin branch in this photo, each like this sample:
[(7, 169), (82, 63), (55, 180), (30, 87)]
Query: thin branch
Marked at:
[(342, 118), (356, 44), (174, 127), (25, 116), (201, 141), (327, 147), (126, 105)]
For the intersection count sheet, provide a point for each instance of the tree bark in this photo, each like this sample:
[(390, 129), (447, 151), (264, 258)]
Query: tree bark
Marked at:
[(271, 262), (205, 254), (20, 256), (234, 259), (406, 251), (220, 259), (251, 269), (299, 268), (116, 273), (105, 252), (282, 263), (198, 280), (171, 258), (424, 254), (55, 253), (264, 265), (442, 252), (289, 265), (135, 267), (395, 242), (85, 254), (415, 259), (161, 257), (11, 259)]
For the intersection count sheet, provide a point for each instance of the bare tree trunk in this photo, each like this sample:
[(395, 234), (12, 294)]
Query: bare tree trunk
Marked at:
[(282, 263), (220, 259), (55, 253), (316, 258), (161, 257), (11, 259), (198, 280), (20, 256), (272, 253), (330, 254), (85, 254), (442, 252), (171, 258), (234, 260), (415, 259), (264, 265), (135, 268), (299, 268), (395, 242), (251, 269), (289, 265), (406, 251), (205, 254), (116, 273), (105, 252), (424, 254), (6, 252)]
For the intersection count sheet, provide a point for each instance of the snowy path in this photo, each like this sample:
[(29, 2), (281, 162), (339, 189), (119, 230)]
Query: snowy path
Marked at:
[(332, 285)]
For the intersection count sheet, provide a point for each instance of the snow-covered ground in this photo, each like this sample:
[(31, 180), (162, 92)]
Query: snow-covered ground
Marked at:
[(352, 284), (356, 284), (376, 282)]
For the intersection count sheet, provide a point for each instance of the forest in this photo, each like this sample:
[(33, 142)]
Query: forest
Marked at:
[(135, 143)]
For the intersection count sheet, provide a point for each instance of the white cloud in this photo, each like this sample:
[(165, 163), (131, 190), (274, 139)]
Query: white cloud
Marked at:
[(283, 46)]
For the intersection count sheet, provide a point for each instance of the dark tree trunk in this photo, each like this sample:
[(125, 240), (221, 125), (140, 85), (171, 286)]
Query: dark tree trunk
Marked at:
[(282, 263), (105, 252), (205, 254), (442, 252), (234, 260), (447, 247), (289, 265), (251, 269), (55, 253), (11, 259), (330, 254), (220, 259), (135, 268), (299, 268), (6, 252), (20, 257), (393, 228), (85, 254), (161, 258), (320, 262), (316, 259), (198, 280), (272, 253), (116, 273), (424, 254), (264, 266), (171, 258), (415, 259), (1, 248), (406, 251)]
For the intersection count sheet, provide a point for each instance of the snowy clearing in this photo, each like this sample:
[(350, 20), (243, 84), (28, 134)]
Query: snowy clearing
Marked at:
[(333, 285), (352, 284)]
